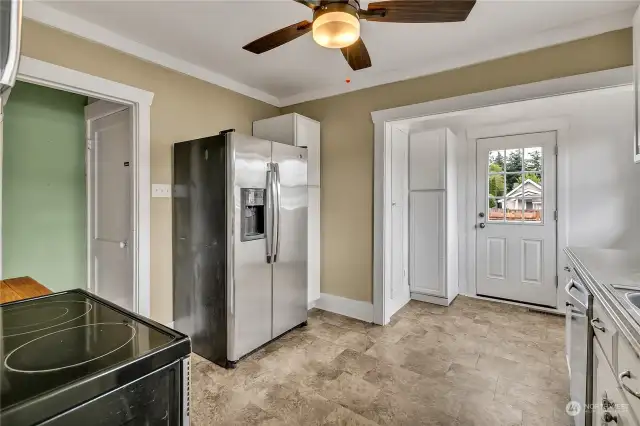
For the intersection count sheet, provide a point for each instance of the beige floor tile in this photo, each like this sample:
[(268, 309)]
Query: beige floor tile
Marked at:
[(475, 362), (484, 412)]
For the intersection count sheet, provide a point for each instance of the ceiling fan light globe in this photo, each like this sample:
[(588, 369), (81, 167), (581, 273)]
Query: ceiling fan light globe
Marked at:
[(336, 30)]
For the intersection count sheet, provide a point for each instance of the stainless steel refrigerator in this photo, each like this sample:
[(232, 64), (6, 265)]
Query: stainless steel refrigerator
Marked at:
[(239, 243)]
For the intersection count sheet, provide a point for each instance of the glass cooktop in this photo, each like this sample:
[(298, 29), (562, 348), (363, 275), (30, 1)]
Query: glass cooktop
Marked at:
[(55, 340)]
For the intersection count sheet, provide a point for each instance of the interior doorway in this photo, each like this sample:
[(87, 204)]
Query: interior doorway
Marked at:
[(516, 218), (587, 115), (139, 102), (67, 192)]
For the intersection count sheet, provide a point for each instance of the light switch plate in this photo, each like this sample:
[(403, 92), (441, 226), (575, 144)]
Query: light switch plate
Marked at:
[(160, 190)]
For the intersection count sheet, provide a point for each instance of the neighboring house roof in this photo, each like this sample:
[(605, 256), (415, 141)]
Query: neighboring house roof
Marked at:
[(532, 189)]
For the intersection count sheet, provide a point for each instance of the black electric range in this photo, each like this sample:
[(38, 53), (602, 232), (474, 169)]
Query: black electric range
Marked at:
[(74, 358)]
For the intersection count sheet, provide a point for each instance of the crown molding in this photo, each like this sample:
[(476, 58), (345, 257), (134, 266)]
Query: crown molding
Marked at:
[(583, 29), (47, 15)]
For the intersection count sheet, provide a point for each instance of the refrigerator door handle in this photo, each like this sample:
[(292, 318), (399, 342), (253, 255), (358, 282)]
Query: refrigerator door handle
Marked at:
[(269, 215), (276, 222)]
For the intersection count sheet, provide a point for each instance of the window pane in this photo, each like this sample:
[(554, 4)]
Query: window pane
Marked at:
[(512, 180), (533, 159), (514, 208), (533, 197), (496, 161), (514, 160), (496, 209), (496, 185)]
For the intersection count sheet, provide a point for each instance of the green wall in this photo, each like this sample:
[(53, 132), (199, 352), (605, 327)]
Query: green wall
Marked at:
[(44, 226)]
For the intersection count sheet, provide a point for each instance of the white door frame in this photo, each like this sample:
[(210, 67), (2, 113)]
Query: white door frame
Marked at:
[(45, 74), (384, 119)]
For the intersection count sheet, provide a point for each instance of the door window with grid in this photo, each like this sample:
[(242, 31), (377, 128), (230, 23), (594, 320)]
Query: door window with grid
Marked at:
[(515, 189)]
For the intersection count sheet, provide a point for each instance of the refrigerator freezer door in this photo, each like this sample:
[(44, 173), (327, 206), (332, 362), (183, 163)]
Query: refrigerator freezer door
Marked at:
[(249, 283), (199, 238), (290, 267)]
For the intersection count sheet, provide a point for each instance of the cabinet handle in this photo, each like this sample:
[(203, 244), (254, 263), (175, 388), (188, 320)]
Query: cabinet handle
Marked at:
[(627, 375), (594, 323)]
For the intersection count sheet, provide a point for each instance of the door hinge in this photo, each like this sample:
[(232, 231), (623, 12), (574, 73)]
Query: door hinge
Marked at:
[(555, 150), (556, 281), (89, 144), (555, 215)]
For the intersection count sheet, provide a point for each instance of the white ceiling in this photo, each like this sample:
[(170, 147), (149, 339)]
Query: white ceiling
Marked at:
[(205, 39)]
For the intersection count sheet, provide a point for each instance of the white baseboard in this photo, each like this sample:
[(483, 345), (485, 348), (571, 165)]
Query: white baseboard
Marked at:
[(347, 307), (442, 301), (312, 304)]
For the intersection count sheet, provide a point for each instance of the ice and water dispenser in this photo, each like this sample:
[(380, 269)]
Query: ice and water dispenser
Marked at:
[(253, 214)]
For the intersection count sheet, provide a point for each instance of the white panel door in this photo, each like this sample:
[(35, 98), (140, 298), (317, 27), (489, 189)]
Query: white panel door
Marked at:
[(399, 293), (516, 224), (427, 243), (110, 259)]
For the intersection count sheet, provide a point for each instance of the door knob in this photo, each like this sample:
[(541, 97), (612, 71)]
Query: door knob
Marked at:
[(482, 225), (607, 417), (123, 244)]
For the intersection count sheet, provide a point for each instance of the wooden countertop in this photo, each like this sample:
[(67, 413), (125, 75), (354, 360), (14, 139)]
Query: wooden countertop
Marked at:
[(21, 288)]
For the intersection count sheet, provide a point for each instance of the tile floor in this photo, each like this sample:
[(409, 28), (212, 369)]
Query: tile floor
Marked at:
[(473, 363)]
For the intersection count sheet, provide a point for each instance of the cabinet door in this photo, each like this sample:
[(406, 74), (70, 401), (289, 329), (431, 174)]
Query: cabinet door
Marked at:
[(426, 232), (279, 129), (314, 245), (427, 160), (609, 406), (308, 136)]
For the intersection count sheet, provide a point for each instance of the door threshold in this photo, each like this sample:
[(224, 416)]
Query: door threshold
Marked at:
[(530, 306)]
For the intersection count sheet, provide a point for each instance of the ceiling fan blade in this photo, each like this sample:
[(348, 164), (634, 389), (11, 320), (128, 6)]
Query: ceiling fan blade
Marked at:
[(418, 11), (311, 4), (278, 38), (357, 55)]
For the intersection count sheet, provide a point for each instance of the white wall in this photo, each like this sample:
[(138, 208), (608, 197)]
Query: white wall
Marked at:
[(604, 182)]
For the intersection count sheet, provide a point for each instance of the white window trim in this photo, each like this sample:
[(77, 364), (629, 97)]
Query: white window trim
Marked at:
[(45, 74), (384, 119)]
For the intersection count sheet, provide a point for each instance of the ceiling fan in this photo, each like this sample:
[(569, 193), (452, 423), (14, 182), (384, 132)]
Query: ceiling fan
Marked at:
[(336, 23)]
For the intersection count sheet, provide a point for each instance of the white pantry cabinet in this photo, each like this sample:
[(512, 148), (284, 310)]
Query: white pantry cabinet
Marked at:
[(298, 130), (433, 231)]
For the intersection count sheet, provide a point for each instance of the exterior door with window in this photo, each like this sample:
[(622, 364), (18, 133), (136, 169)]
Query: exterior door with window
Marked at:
[(516, 218)]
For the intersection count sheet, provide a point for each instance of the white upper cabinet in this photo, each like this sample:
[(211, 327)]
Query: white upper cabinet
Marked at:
[(427, 160), (636, 81), (298, 130)]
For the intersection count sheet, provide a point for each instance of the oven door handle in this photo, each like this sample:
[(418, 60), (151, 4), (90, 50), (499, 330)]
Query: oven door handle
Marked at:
[(571, 285)]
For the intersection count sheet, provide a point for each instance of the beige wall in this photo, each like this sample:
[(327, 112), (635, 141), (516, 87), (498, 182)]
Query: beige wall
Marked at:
[(183, 108), (186, 108), (347, 141)]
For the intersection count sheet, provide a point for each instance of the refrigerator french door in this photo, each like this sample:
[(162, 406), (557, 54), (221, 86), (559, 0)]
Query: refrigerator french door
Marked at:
[(240, 243)]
